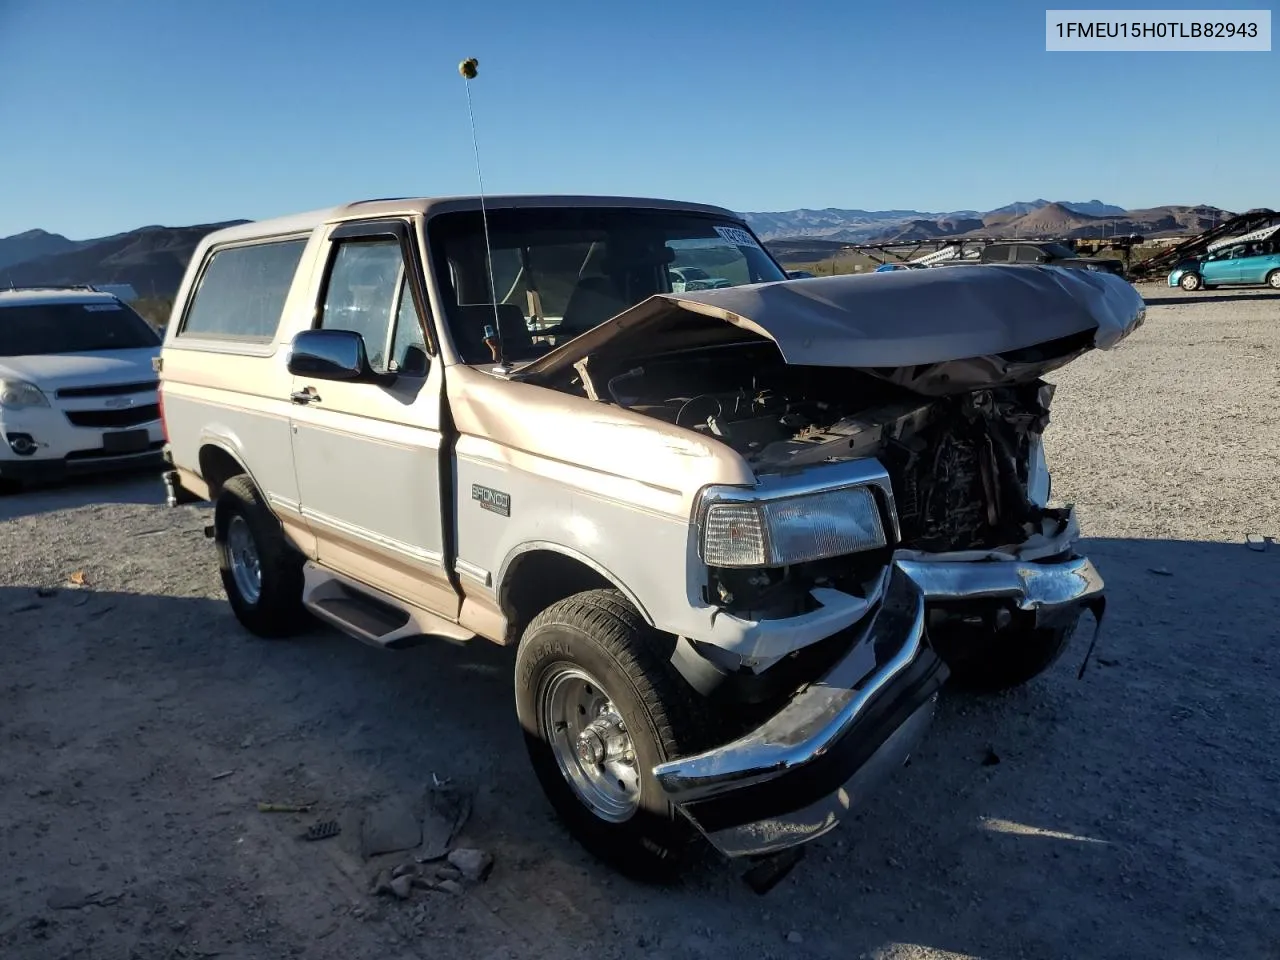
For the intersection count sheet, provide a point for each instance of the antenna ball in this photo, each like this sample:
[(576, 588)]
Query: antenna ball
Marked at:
[(468, 68)]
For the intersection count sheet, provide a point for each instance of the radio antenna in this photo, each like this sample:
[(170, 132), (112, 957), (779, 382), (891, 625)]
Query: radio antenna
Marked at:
[(492, 335)]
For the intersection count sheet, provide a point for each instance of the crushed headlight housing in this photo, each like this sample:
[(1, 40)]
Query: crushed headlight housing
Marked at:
[(776, 533), (18, 394)]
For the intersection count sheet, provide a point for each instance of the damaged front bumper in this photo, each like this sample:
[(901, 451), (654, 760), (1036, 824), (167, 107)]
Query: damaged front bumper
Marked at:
[(795, 777), (1052, 591)]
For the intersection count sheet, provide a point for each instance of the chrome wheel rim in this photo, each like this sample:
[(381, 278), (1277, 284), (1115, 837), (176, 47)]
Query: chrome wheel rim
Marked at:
[(590, 742), (1190, 283), (246, 569), (1274, 280)]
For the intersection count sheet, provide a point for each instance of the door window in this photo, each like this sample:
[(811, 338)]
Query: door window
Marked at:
[(368, 293)]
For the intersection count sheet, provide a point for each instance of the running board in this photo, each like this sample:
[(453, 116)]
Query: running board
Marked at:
[(369, 615)]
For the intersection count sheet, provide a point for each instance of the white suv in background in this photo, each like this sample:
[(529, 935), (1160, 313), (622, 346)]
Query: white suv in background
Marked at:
[(78, 392)]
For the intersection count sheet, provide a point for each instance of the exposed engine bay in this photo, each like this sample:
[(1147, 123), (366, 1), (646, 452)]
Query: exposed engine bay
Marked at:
[(960, 464)]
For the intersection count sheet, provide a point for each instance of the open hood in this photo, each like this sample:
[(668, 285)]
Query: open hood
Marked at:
[(934, 331)]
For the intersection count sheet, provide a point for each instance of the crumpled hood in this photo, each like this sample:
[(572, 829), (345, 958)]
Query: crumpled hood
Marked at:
[(898, 319), (53, 371)]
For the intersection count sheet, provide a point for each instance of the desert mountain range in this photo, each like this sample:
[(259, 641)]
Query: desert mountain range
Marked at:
[(152, 259)]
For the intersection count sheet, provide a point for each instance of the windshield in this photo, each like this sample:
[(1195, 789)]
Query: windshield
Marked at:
[(38, 329), (559, 272)]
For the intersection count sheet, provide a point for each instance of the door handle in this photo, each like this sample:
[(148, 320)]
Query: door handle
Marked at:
[(308, 395)]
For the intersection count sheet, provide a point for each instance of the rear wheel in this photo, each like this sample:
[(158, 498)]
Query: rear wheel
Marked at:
[(988, 661), (1191, 281), (600, 707), (261, 571), (1273, 279)]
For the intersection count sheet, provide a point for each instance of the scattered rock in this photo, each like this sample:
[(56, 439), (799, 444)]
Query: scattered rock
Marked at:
[(991, 758), (795, 937), (473, 864), (405, 869), (381, 883), (1256, 541), (402, 886), (450, 886)]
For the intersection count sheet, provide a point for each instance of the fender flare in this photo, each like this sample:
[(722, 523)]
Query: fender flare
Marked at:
[(529, 546)]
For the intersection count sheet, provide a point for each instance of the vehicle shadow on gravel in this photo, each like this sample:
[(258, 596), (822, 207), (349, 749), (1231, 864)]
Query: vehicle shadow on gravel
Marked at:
[(1122, 815), (1213, 298), (139, 488)]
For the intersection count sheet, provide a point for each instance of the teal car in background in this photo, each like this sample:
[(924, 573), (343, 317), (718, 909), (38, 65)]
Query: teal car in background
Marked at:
[(1254, 262)]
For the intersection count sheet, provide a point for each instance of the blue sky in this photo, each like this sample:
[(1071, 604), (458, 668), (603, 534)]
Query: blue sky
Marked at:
[(119, 113)]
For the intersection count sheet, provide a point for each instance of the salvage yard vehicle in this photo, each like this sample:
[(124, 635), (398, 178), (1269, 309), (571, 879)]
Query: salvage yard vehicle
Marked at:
[(1251, 259), (1046, 252), (740, 537), (77, 390)]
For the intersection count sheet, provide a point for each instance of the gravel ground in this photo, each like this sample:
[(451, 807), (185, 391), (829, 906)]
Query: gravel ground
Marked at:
[(1133, 813)]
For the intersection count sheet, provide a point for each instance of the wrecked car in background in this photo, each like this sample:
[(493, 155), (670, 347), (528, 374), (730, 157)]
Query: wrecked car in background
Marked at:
[(741, 536)]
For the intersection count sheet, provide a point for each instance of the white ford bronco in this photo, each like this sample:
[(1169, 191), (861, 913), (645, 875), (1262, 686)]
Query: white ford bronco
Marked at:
[(740, 537)]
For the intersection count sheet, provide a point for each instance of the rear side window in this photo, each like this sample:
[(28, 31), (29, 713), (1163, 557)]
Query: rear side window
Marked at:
[(242, 291)]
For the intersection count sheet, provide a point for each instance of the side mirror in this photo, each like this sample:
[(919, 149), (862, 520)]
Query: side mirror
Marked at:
[(330, 355)]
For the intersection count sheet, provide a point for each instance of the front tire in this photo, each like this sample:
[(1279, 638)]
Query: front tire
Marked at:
[(261, 571), (600, 706), (987, 662), (1190, 281)]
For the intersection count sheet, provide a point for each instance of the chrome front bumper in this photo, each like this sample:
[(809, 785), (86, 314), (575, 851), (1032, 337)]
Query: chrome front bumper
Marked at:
[(1047, 590), (795, 777)]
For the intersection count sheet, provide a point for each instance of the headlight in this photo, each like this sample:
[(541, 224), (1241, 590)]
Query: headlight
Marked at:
[(775, 533), (16, 394)]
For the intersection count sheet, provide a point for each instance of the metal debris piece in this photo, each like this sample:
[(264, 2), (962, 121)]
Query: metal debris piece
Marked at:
[(771, 869), (1162, 571), (447, 811), (322, 830), (71, 898), (223, 775), (390, 827), (284, 807)]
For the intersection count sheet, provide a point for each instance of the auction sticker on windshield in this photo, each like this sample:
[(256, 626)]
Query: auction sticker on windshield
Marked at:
[(737, 236)]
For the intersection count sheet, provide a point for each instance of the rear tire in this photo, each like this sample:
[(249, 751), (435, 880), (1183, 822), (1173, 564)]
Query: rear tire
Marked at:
[(1190, 281), (988, 662), (593, 653), (1273, 279), (261, 571)]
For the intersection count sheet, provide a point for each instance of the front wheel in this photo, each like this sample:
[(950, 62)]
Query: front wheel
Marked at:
[(261, 571), (1273, 279), (600, 708), (1191, 281), (989, 661)]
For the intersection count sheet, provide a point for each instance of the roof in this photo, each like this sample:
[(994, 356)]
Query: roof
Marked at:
[(21, 297), (429, 206)]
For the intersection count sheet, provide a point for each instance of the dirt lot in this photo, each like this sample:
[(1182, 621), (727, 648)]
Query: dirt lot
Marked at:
[(1134, 813)]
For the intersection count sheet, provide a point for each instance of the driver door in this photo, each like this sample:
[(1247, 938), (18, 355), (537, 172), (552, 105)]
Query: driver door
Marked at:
[(367, 455)]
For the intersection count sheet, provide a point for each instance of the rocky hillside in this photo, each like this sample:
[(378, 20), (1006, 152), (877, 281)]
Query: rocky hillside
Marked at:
[(1090, 218), (152, 259)]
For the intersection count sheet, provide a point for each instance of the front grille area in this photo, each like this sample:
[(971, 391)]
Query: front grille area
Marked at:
[(128, 417), (108, 390)]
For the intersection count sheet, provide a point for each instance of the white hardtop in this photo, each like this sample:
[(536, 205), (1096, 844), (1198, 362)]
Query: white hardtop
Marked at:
[(30, 296), (407, 206)]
